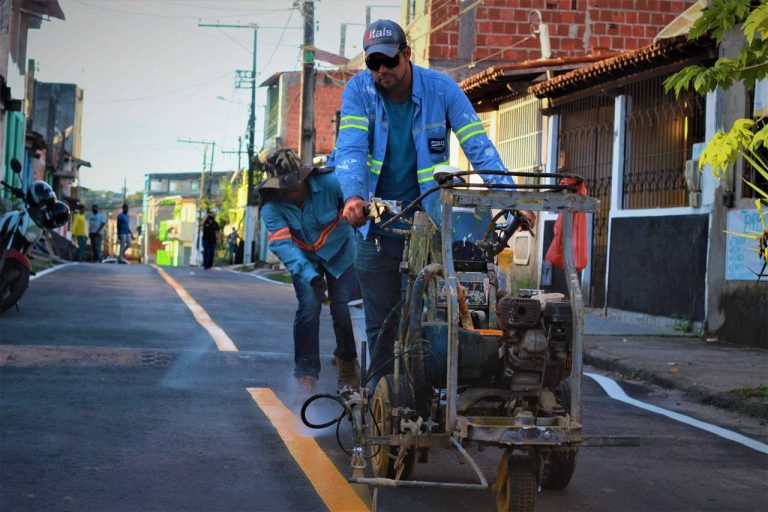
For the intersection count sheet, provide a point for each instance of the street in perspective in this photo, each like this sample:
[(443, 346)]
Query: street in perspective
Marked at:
[(327, 255)]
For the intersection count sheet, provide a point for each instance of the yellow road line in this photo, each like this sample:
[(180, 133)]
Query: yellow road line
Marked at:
[(333, 488), (221, 339)]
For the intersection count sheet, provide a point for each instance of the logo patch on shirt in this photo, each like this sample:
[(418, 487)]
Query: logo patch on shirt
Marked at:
[(436, 145)]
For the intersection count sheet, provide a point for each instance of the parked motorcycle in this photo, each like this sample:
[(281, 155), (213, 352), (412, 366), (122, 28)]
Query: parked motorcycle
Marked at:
[(20, 230)]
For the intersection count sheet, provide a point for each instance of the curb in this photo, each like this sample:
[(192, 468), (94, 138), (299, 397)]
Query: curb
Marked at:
[(749, 406)]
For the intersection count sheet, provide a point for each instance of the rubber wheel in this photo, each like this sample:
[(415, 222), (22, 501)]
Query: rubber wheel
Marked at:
[(384, 399), (516, 490), (559, 468), (13, 283)]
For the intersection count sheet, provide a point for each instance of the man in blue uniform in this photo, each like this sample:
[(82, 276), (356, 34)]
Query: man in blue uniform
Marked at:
[(394, 130), (301, 208)]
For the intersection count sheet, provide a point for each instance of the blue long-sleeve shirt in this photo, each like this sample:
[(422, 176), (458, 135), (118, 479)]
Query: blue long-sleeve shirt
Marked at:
[(440, 106), (316, 234)]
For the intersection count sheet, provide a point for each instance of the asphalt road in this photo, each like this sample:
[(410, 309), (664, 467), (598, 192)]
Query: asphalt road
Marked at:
[(114, 398)]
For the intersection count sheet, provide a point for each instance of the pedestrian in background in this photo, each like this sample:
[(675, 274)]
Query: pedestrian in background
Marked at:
[(80, 232), (124, 233), (232, 246), (95, 231), (210, 237)]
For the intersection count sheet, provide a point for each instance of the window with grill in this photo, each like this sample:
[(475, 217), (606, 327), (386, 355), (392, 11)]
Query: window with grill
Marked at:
[(661, 131), (518, 135)]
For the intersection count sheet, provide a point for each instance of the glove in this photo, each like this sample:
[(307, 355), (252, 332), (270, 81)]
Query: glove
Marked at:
[(319, 287)]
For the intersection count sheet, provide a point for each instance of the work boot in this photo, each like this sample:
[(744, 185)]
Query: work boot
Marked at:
[(306, 386), (349, 373)]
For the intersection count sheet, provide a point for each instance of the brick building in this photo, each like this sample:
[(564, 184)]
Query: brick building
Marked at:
[(465, 36), (281, 124)]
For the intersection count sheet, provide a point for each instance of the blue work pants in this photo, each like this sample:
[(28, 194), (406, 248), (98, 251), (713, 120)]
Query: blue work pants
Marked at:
[(306, 325)]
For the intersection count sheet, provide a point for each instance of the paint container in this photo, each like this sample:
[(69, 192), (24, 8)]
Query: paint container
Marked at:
[(357, 315)]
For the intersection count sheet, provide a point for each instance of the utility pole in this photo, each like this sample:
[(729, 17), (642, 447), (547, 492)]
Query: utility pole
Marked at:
[(250, 226), (307, 147), (205, 143)]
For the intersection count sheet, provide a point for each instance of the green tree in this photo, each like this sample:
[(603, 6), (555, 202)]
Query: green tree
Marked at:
[(747, 138)]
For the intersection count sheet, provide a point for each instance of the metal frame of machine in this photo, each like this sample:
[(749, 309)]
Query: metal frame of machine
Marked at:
[(519, 474)]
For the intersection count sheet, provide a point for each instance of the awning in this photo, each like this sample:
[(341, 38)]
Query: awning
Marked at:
[(503, 82), (43, 8), (660, 58)]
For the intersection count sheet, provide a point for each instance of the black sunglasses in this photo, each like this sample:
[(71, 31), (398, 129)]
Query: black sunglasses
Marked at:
[(374, 63)]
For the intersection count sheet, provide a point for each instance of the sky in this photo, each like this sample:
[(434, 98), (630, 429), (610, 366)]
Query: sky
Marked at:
[(151, 76)]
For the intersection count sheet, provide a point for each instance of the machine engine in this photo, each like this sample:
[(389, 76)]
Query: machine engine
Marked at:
[(536, 342)]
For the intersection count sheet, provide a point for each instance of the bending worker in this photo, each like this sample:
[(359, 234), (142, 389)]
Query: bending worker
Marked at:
[(301, 208), (394, 130)]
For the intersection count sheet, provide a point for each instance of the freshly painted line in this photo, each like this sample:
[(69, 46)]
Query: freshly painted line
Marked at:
[(333, 488), (221, 339), (612, 388), (52, 269), (257, 276)]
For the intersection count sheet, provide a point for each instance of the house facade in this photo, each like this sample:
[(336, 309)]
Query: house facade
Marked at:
[(17, 17), (172, 214)]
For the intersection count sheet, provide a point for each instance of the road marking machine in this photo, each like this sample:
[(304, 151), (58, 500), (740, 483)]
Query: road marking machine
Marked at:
[(461, 362)]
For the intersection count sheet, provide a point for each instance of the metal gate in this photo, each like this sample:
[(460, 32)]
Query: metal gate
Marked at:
[(586, 148), (661, 131)]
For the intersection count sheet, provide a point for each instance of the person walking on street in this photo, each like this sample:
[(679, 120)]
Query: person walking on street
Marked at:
[(80, 231), (210, 237), (232, 246), (394, 130), (301, 208), (95, 226), (124, 233)]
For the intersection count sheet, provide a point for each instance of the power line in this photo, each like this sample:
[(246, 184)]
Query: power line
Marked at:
[(178, 16), (282, 34), (167, 93)]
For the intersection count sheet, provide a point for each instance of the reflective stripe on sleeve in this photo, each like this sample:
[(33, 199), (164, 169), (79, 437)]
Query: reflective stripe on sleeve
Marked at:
[(280, 234), (428, 172), (353, 122), (375, 165), (463, 137)]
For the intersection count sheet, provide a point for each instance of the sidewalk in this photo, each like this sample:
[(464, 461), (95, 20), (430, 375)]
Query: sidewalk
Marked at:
[(728, 376)]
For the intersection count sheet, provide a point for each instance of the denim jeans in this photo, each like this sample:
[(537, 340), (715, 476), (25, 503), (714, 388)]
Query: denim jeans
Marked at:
[(381, 285), (82, 243), (306, 325), (96, 246), (125, 243)]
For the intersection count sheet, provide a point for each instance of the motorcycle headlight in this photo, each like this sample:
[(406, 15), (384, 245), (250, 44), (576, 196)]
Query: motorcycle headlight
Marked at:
[(33, 233)]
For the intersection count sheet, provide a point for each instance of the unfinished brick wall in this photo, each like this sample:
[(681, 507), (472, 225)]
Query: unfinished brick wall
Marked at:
[(328, 89), (577, 27)]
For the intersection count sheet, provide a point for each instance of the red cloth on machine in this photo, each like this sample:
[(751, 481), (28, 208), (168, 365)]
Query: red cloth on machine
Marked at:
[(555, 254)]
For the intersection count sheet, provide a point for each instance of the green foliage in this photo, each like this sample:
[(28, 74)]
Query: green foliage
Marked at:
[(228, 202), (751, 63)]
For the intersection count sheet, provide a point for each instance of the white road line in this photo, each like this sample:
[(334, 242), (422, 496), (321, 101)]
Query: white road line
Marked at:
[(52, 269), (612, 388), (257, 276)]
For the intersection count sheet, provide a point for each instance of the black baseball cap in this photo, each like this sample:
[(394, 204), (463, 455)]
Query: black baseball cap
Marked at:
[(383, 36)]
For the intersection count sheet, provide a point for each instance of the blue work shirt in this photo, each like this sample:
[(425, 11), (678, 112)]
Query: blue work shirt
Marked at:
[(440, 106), (315, 234)]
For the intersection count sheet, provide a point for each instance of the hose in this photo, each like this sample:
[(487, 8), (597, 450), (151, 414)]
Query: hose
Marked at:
[(313, 398)]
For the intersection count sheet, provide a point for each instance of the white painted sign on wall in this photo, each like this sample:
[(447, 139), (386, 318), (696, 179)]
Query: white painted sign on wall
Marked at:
[(742, 262)]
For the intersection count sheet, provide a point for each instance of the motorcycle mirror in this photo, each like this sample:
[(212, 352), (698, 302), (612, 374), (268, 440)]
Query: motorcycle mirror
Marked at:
[(15, 166)]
